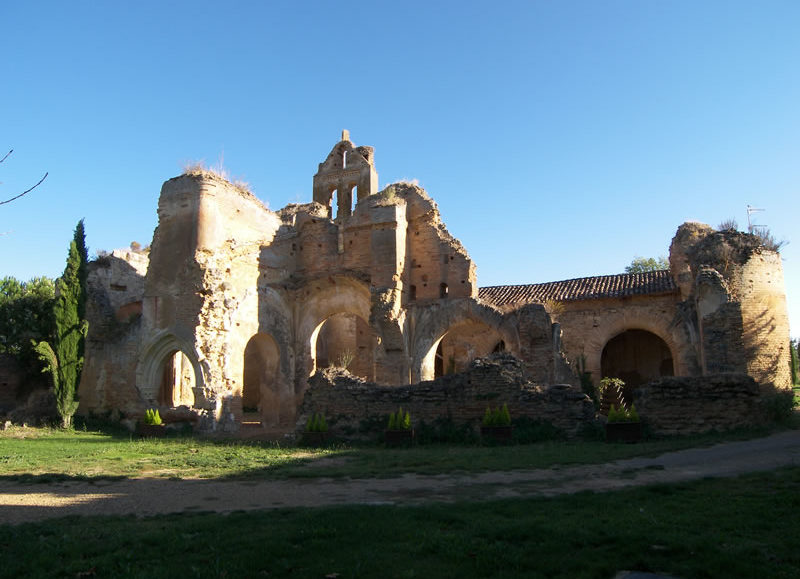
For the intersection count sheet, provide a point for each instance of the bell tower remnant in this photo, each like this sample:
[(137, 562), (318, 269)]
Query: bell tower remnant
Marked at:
[(347, 170)]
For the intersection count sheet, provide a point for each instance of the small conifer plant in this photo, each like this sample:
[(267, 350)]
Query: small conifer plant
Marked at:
[(317, 423), (399, 420), (499, 416), (152, 417)]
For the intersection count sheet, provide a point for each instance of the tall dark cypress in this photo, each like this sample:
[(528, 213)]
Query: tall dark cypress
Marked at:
[(64, 359)]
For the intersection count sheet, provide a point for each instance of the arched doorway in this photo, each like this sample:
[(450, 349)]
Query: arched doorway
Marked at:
[(636, 357), (347, 341), (260, 392), (177, 381), (464, 342)]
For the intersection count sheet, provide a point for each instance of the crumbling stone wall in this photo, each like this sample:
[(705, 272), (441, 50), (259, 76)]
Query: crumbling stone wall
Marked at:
[(113, 345), (689, 405), (260, 300), (733, 293), (500, 379)]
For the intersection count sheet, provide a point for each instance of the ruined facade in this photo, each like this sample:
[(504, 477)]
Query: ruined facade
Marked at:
[(237, 306)]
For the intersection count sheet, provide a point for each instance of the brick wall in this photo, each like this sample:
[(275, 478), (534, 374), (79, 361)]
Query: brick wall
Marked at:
[(493, 381), (685, 405)]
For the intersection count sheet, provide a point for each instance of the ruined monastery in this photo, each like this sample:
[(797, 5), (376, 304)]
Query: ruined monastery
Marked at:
[(237, 313)]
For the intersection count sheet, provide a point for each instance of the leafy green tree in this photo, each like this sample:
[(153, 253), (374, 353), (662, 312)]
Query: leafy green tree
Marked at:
[(26, 313), (794, 349), (644, 264), (64, 358)]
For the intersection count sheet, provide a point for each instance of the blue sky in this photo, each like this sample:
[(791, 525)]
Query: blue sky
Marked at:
[(560, 139)]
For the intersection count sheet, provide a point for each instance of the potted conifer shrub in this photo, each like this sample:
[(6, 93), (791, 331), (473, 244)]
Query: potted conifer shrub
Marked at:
[(623, 425), (496, 425), (316, 433), (398, 430), (152, 426)]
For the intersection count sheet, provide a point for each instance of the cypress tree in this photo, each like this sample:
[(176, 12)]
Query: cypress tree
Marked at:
[(64, 358), (794, 348)]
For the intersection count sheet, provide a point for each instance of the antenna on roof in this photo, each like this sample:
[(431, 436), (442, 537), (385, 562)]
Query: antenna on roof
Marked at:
[(750, 225)]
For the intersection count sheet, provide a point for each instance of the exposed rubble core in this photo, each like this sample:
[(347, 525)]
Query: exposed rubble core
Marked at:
[(237, 306)]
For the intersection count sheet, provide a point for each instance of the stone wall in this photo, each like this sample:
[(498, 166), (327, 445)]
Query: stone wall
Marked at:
[(499, 379), (116, 289), (765, 321), (744, 307), (682, 405)]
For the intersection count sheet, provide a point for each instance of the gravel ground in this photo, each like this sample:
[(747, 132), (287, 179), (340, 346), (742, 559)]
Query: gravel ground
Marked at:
[(148, 496)]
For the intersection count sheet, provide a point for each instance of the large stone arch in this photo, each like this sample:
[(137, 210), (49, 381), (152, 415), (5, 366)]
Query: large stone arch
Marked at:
[(318, 301), (158, 351), (346, 340), (623, 320), (431, 324)]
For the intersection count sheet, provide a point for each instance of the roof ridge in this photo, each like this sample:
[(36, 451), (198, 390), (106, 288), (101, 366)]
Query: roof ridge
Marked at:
[(582, 288)]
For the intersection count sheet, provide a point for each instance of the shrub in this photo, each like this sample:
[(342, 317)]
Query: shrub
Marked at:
[(344, 359), (399, 421), (317, 423), (499, 416), (609, 385), (623, 414), (152, 417)]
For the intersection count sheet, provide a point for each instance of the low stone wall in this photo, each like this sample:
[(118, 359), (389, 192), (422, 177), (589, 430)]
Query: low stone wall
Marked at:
[(347, 401), (680, 405)]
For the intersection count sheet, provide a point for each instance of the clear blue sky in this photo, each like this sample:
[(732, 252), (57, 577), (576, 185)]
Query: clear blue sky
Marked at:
[(560, 139)]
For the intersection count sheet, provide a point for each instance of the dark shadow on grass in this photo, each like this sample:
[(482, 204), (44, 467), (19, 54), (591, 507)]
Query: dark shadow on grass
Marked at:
[(58, 477)]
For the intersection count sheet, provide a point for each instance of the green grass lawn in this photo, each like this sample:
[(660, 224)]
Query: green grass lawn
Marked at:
[(52, 454), (743, 527)]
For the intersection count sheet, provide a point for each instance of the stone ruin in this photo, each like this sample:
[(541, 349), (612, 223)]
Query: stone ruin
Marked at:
[(236, 307)]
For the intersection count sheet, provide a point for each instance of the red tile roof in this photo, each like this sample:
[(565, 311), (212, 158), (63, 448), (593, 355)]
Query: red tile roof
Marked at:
[(584, 288)]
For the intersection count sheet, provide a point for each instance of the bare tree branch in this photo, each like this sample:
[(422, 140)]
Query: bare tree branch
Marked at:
[(7, 154), (24, 192)]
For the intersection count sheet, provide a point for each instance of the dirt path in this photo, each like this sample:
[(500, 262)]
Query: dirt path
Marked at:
[(33, 502)]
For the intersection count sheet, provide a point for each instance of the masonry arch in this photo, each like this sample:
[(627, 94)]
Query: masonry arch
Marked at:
[(261, 391), (460, 331), (458, 347), (344, 297), (610, 323), (637, 357), (169, 372), (347, 341)]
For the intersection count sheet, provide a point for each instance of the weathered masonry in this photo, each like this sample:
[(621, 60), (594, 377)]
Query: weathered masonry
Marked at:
[(236, 306)]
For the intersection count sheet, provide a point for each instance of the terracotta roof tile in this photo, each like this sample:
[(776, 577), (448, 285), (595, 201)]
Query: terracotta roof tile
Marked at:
[(584, 288)]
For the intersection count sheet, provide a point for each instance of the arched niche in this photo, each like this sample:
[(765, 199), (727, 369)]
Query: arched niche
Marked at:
[(260, 379)]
